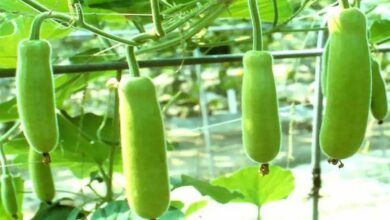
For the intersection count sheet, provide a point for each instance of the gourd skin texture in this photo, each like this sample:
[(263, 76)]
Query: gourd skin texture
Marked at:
[(260, 116), (41, 177), (379, 106), (35, 95), (8, 195), (348, 87), (143, 147)]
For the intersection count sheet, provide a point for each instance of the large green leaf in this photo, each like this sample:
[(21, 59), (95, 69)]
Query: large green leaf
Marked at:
[(219, 194), (78, 135), (8, 111), (259, 189), (380, 30), (118, 210), (9, 43), (239, 9), (54, 211)]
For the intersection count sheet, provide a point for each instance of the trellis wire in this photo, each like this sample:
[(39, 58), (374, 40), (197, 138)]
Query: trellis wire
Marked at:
[(315, 143), (212, 59)]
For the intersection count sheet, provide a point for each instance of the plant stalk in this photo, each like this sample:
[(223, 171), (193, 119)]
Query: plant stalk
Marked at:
[(256, 24), (157, 18), (132, 61)]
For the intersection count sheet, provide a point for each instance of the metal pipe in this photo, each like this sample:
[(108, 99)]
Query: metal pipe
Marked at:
[(317, 119), (120, 65)]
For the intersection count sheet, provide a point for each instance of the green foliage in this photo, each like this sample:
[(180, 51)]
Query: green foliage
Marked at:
[(380, 30), (119, 210), (194, 207), (257, 189), (239, 9), (21, 25), (219, 194), (57, 211)]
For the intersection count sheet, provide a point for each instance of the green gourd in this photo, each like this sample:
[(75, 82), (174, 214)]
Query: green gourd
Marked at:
[(143, 147), (35, 95), (41, 177), (260, 116), (348, 89), (8, 195), (324, 67), (379, 106)]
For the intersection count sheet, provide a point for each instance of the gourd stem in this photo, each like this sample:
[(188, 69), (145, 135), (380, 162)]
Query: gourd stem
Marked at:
[(3, 159), (132, 61), (256, 24), (39, 19), (344, 4), (157, 18), (357, 3)]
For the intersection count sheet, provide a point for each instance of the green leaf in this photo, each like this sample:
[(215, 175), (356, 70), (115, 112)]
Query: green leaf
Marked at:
[(177, 204), (21, 24), (119, 210), (257, 189), (116, 210), (74, 214), (219, 194), (380, 30), (172, 213), (54, 211), (6, 26), (239, 9), (79, 135), (8, 111), (194, 207)]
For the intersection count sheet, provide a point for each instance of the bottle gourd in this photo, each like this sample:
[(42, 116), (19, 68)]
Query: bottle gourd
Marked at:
[(348, 85), (35, 95), (8, 195), (143, 147), (260, 116), (379, 104), (41, 177)]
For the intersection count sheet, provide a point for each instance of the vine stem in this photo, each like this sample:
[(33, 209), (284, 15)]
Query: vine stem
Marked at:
[(205, 21), (344, 4), (111, 159), (276, 13), (79, 22), (132, 61), (3, 159), (35, 5), (259, 213), (39, 19), (256, 24), (157, 18)]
